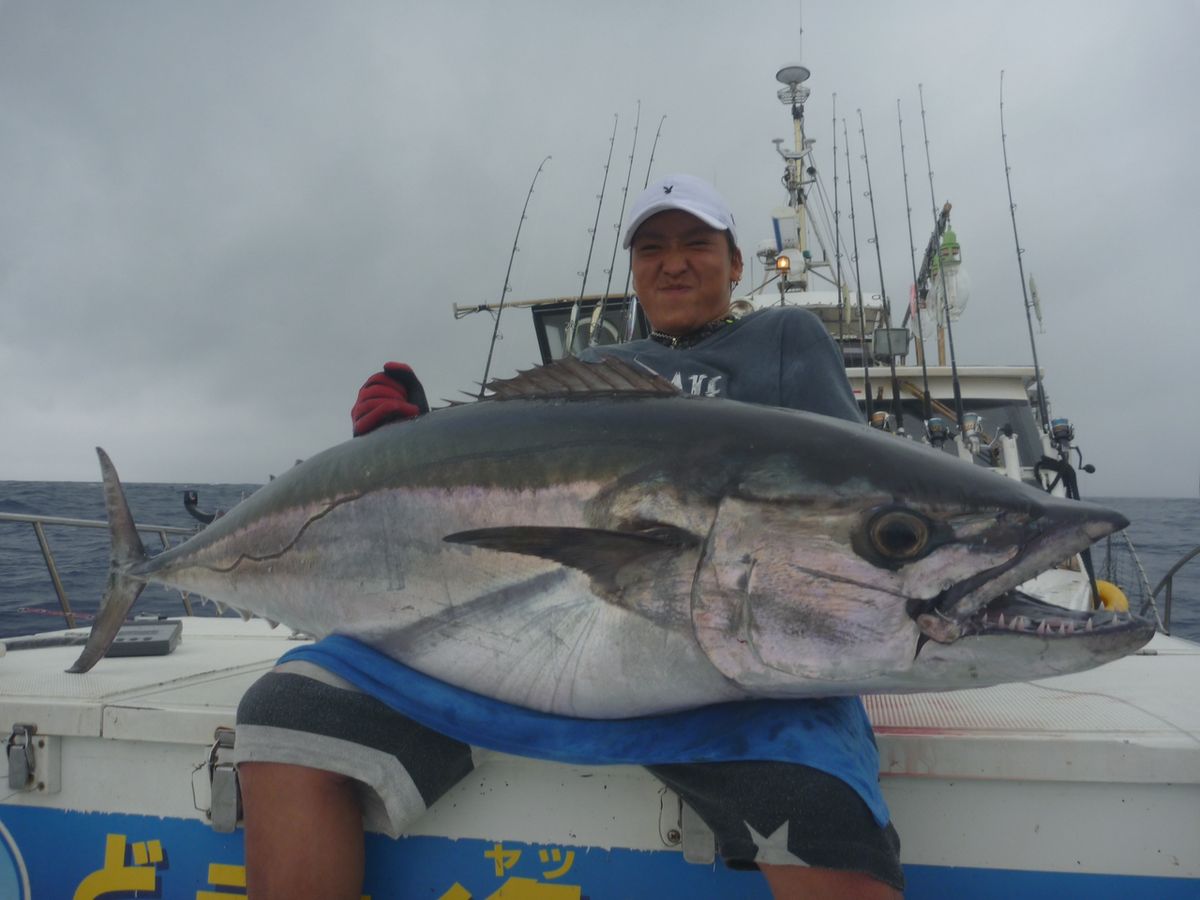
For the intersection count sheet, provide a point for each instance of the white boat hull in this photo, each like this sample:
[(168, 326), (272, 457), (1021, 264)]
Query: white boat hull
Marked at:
[(1085, 785)]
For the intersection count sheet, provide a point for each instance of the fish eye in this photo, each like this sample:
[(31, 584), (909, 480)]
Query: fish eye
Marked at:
[(898, 534)]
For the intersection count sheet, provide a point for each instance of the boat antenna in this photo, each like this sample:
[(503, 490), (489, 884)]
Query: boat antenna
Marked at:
[(837, 236), (897, 409), (573, 322), (504, 292), (862, 320), (598, 313), (1012, 209), (926, 412), (939, 224), (631, 307)]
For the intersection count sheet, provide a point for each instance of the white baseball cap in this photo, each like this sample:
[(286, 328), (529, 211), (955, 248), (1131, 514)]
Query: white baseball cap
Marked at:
[(686, 192)]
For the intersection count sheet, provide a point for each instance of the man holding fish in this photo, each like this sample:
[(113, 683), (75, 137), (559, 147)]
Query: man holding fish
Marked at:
[(794, 792)]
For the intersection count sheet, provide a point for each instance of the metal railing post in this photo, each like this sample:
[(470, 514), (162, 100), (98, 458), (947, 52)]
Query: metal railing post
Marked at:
[(48, 557), (53, 570)]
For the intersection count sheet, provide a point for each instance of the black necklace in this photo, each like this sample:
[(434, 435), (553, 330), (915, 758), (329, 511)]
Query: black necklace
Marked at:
[(691, 339)]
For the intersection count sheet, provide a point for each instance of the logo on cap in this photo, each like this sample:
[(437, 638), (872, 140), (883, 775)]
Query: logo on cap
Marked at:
[(667, 188)]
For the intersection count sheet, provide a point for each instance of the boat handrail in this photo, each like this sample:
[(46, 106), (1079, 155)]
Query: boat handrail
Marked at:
[(1168, 581), (38, 521)]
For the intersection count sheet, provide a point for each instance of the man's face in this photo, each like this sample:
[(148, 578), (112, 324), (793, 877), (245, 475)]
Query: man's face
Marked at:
[(683, 271)]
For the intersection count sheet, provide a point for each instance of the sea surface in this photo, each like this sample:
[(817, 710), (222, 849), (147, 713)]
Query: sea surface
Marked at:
[(1162, 531)]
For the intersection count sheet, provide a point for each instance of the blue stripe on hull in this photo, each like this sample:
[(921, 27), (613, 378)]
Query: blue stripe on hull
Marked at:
[(90, 854)]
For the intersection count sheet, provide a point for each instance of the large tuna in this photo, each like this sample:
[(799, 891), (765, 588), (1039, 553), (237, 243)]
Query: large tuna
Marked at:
[(591, 543)]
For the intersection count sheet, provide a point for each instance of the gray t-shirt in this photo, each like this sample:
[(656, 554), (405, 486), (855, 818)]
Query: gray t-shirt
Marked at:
[(779, 356)]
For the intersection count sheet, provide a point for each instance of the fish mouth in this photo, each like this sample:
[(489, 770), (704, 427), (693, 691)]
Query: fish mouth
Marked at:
[(1065, 528), (1016, 612)]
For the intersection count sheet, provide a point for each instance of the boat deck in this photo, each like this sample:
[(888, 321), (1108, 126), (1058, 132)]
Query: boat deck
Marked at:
[(1107, 760)]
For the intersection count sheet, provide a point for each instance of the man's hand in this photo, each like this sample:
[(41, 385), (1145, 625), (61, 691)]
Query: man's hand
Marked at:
[(388, 396)]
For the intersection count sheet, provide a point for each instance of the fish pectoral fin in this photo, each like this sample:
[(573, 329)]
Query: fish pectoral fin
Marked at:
[(598, 553)]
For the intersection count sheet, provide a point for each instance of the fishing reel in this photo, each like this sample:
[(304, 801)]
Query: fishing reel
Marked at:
[(938, 431), (972, 432), (1062, 432), (884, 421)]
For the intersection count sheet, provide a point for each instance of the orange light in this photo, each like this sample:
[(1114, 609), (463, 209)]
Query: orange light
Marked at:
[(782, 263)]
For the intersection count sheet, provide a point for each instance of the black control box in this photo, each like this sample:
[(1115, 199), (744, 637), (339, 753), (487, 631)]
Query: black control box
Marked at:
[(153, 637)]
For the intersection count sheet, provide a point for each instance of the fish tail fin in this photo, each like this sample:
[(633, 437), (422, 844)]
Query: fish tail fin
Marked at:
[(123, 589)]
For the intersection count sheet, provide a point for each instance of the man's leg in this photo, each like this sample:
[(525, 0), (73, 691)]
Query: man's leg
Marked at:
[(304, 833), (315, 757), (799, 883)]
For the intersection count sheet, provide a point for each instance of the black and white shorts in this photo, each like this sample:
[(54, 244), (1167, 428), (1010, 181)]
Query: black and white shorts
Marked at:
[(760, 812)]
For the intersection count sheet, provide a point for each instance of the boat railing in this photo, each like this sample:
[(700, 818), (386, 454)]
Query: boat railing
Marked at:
[(1166, 585), (39, 522)]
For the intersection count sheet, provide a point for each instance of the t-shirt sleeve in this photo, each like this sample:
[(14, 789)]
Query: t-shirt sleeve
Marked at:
[(812, 372)]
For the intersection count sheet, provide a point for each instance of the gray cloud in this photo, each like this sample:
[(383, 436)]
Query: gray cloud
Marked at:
[(216, 219)]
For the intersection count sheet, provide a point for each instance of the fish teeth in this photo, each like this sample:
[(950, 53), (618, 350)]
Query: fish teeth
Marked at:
[(1041, 629), (1000, 620), (1089, 626)]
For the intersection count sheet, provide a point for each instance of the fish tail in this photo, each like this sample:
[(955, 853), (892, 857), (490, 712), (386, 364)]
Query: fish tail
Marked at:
[(122, 589)]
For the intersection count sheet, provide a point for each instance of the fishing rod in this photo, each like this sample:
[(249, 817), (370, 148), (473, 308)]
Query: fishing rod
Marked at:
[(1012, 210), (598, 312), (573, 321), (837, 234), (897, 409), (631, 306), (912, 253), (862, 320), (958, 404), (504, 292)]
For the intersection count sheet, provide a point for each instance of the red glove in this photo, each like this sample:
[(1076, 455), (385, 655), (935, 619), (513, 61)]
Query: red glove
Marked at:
[(388, 396)]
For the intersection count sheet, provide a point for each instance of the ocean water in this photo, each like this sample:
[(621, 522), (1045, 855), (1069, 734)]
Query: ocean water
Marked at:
[(1162, 531)]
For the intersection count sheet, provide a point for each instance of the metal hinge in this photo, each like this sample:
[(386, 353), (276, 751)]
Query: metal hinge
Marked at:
[(33, 761), (687, 830)]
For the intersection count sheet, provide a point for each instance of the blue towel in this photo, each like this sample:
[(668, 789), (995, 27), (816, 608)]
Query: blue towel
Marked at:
[(832, 734)]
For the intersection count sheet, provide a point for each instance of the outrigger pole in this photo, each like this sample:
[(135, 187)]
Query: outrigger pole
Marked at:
[(897, 409), (862, 319), (573, 322), (926, 412), (598, 312), (631, 306), (940, 226), (504, 291), (1012, 210)]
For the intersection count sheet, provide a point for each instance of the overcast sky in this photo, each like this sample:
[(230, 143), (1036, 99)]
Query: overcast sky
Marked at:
[(217, 218)]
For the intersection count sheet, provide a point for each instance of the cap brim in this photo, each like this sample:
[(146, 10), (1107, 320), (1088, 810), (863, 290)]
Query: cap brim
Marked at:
[(663, 206)]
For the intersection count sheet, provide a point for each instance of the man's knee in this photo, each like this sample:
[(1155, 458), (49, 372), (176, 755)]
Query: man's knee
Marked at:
[(281, 779)]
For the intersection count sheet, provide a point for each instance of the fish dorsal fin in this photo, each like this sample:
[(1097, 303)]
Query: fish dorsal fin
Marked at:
[(573, 378)]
